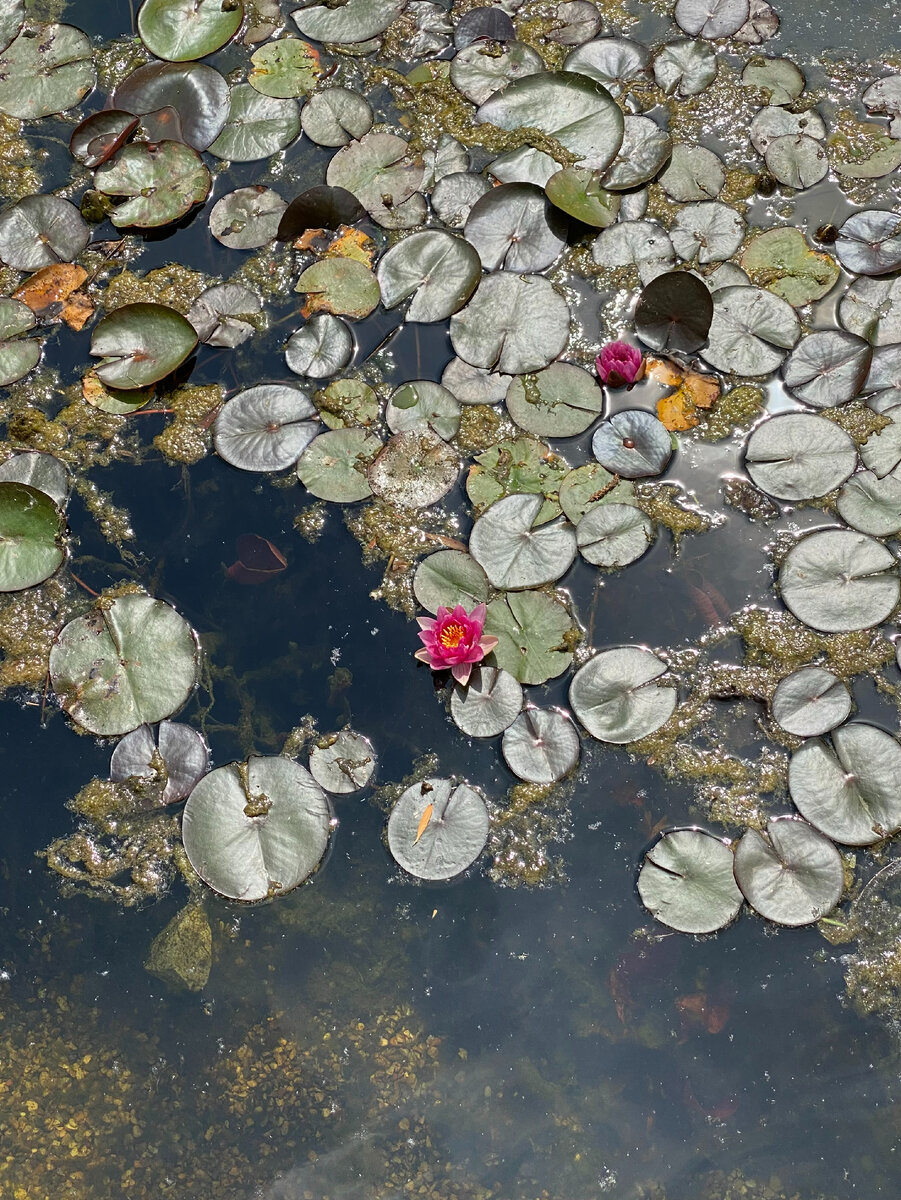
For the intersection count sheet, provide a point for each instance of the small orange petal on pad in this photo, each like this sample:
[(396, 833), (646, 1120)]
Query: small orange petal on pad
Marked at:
[(424, 822)]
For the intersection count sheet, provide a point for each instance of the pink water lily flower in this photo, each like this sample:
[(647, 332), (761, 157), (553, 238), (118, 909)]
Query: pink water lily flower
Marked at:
[(454, 639), (619, 364)]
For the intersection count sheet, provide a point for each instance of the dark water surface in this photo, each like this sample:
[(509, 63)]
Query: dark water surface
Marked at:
[(365, 1037)]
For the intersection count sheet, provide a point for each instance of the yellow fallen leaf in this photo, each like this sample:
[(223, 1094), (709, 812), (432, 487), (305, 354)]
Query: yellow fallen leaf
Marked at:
[(424, 822), (352, 243), (677, 412), (664, 371), (50, 286)]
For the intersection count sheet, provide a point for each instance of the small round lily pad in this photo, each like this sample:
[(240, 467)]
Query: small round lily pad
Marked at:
[(342, 762), (686, 882), (436, 829), (488, 704)]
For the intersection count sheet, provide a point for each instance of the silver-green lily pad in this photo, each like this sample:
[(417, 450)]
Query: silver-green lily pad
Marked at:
[(847, 787), (160, 182), (353, 22), (616, 62), (644, 150), (415, 469), (220, 314), (515, 228), (750, 332), (790, 874), (693, 173), (257, 126), (644, 245), (434, 270), (871, 504), (514, 554), (799, 456), (618, 697), (779, 77), (871, 308), (798, 162), (632, 444), (257, 829), (869, 242), (335, 465), (342, 762), (130, 661), (45, 71), (520, 464), (810, 702), (141, 343), (12, 18), (590, 485), (320, 348), (31, 546), (686, 881), (18, 355), (560, 401), (488, 704), (614, 535), (265, 428), (709, 232), (684, 67), (513, 324), (478, 70), (285, 68), (836, 580), (40, 231), (421, 403), (881, 452), (183, 30), (474, 385), (42, 471), (436, 829), (380, 169), (247, 218), (178, 757), (336, 116), (454, 195), (541, 745), (448, 578), (773, 122), (713, 19), (827, 367), (531, 629)]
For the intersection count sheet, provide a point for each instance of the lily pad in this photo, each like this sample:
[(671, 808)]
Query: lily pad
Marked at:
[(40, 231), (644, 150), (618, 697), (541, 745), (161, 181), (488, 704), (421, 403), (883, 383), (881, 452), (336, 116), (257, 829), (513, 324), (674, 312), (560, 401), (355, 21), (615, 62), (644, 245), (686, 882), (713, 19), (780, 78), (448, 578), (219, 314), (836, 580), (847, 787), (810, 701), (590, 485), (342, 286), (513, 554), (45, 71), (632, 444), (454, 195), (750, 332), (773, 122), (871, 308), (320, 348), (265, 428), (474, 385), (884, 96), (519, 465), (531, 628), (790, 874), (17, 355), (130, 661), (257, 126), (42, 471), (614, 535), (178, 756), (380, 169), (436, 829), (709, 232), (141, 343), (99, 136), (335, 465), (781, 261), (693, 173), (478, 71), (285, 68), (182, 30), (12, 18), (195, 91), (484, 24), (247, 218), (30, 535), (799, 456), (871, 504), (342, 762), (798, 162), (415, 469), (515, 228), (869, 242), (435, 271), (684, 67), (827, 368), (578, 192)]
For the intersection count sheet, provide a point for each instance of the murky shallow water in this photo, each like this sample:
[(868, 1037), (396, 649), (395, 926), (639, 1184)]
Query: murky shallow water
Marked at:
[(366, 1037)]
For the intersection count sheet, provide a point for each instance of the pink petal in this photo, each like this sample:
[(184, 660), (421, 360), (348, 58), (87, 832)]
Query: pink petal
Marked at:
[(426, 622), (461, 672), (487, 643)]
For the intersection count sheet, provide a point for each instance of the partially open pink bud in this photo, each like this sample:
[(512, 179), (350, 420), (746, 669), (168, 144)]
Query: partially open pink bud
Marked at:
[(619, 365), (454, 639)]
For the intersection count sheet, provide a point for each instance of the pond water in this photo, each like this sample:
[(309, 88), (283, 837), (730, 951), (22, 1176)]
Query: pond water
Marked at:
[(525, 1031)]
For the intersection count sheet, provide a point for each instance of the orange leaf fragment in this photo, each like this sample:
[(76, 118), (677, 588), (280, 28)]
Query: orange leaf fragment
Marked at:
[(352, 243), (677, 412), (424, 822), (77, 310), (49, 287), (663, 370)]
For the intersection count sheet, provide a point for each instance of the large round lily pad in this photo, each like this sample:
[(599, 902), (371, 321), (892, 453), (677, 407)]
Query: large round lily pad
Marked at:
[(632, 444), (265, 428), (335, 465), (435, 271), (415, 469), (836, 580), (750, 332), (686, 881), (436, 829), (257, 829), (45, 71), (196, 92), (448, 578), (130, 661), (160, 181), (810, 701), (257, 125), (560, 401), (790, 874), (531, 629), (513, 324), (355, 21), (618, 697), (182, 30), (798, 456), (40, 231), (513, 553), (320, 348), (614, 535), (30, 536), (141, 343)]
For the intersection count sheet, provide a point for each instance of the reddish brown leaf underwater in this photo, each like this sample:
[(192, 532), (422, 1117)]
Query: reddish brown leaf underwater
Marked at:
[(258, 560), (697, 1009)]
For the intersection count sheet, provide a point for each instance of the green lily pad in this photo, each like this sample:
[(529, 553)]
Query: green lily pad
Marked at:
[(693, 173), (17, 357), (644, 151), (798, 162), (685, 67), (141, 343), (30, 536), (478, 71), (488, 704), (352, 22), (583, 489), (285, 68), (810, 702), (45, 72), (515, 555), (781, 261), (265, 428), (342, 286), (614, 535), (257, 126), (791, 873), (578, 192), (12, 18), (336, 116), (347, 402), (335, 465), (541, 745), (530, 628), (836, 580), (448, 578), (247, 218), (617, 697), (42, 471), (380, 169), (320, 348), (520, 466), (131, 661), (711, 19), (342, 762), (616, 62), (182, 30), (686, 880), (435, 271), (779, 77), (453, 836), (513, 324), (257, 829), (751, 330), (163, 180), (423, 403)]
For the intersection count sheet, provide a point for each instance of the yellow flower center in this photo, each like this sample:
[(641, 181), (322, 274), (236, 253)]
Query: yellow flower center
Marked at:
[(452, 635)]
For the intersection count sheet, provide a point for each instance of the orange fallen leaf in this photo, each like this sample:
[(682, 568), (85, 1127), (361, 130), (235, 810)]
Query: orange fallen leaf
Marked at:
[(352, 243), (677, 412), (50, 287), (308, 239), (77, 310), (663, 370), (424, 822)]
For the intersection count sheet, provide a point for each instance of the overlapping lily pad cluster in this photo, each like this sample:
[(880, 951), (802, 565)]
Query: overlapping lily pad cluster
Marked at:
[(537, 158)]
